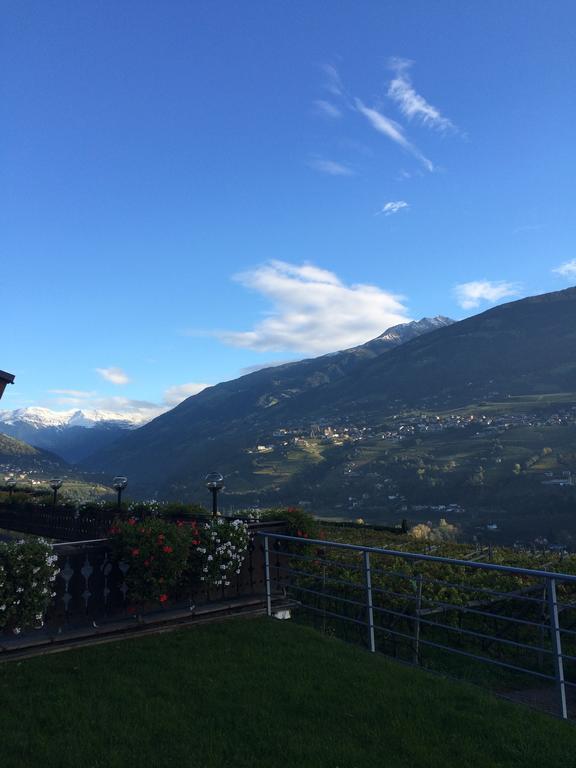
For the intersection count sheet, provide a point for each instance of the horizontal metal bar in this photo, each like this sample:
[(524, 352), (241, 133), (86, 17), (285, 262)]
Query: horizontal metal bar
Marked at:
[(406, 596), (333, 615), (317, 559), (487, 591), (468, 632), (532, 573), (324, 594), (72, 543), (487, 659), (317, 576), (487, 614)]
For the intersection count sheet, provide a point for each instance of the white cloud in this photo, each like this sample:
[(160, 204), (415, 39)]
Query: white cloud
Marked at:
[(568, 269), (327, 109), (388, 209), (179, 392), (262, 366), (332, 81), (138, 410), (393, 131), (331, 167), (114, 375), (313, 311), (470, 295), (79, 394), (411, 104)]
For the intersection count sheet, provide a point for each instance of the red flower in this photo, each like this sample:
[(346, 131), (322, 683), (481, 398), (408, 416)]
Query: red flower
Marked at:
[(179, 523), (135, 552), (160, 538), (132, 521), (163, 598), (167, 550), (299, 533), (146, 563)]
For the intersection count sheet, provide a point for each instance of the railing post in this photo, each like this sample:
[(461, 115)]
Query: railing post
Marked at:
[(267, 576), (369, 605), (557, 646), (416, 658)]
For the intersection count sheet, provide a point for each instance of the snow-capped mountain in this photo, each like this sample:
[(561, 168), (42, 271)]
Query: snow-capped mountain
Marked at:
[(41, 418), (72, 434), (408, 331)]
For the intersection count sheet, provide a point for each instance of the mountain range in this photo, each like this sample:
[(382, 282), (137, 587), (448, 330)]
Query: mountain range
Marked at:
[(524, 347), (72, 434)]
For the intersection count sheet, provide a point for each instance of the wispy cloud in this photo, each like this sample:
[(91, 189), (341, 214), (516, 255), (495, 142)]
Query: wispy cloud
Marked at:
[(332, 81), (176, 394), (471, 295), (331, 167), (327, 109), (80, 394), (410, 103), (388, 209), (568, 269), (393, 131), (313, 311), (113, 375), (141, 410), (262, 366)]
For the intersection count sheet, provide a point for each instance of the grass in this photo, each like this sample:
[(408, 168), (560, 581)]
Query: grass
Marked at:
[(258, 694)]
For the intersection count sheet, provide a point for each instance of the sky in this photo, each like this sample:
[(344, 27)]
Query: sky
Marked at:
[(191, 190)]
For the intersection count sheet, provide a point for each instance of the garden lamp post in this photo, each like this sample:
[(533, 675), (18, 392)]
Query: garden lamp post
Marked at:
[(55, 485), (119, 483), (214, 483), (10, 484)]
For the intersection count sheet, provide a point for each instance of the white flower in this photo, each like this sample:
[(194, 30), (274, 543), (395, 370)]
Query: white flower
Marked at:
[(17, 630)]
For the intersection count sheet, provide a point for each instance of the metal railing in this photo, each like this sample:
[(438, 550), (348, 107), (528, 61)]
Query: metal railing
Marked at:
[(434, 611)]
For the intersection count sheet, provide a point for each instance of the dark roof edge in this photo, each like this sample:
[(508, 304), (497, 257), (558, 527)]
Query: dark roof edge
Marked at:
[(8, 377)]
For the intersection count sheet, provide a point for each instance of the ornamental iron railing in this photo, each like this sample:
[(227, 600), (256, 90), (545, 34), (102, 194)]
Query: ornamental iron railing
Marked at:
[(467, 618), (92, 588)]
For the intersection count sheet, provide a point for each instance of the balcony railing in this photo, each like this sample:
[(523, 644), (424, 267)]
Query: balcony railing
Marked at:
[(438, 612)]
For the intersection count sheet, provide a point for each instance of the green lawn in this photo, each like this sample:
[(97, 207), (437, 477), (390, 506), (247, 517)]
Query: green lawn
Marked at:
[(258, 694)]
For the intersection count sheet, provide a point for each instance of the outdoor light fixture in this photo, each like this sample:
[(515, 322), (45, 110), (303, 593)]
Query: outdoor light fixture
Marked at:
[(55, 485), (10, 483), (119, 483), (214, 483)]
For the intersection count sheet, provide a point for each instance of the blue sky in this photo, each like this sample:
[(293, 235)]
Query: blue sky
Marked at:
[(190, 189)]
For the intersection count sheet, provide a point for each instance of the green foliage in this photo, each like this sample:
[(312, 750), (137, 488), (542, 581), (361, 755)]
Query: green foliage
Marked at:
[(176, 510), (27, 572), (164, 556), (299, 523), (157, 553)]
